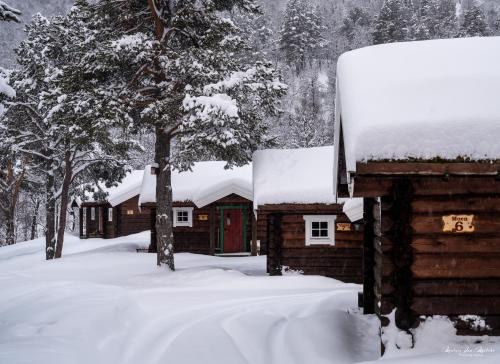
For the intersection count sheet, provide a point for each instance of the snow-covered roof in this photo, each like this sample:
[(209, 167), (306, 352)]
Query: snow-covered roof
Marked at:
[(301, 176), (128, 188), (353, 208), (420, 100), (206, 183)]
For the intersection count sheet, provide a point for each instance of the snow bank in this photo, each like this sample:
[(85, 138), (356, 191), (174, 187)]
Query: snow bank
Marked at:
[(129, 187), (421, 100), (293, 176), (435, 342), (109, 306), (207, 182), (104, 303)]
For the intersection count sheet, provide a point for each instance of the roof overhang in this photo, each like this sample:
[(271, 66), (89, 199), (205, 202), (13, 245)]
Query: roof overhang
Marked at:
[(223, 189)]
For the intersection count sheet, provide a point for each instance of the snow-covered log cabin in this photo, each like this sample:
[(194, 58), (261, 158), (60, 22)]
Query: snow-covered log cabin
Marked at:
[(298, 218), (212, 211), (418, 137), (117, 215)]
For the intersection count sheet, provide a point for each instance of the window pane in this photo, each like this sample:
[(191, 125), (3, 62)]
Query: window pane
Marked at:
[(315, 233), (315, 225), (182, 216), (324, 233), (324, 225)]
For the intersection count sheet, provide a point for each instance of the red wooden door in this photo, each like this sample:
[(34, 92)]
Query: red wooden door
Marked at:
[(233, 231)]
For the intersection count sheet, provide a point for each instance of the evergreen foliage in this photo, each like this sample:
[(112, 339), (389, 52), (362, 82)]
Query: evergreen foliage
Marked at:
[(301, 35), (182, 71), (474, 23), (8, 13)]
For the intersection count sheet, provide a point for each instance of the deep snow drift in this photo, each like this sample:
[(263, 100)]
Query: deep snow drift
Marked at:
[(105, 303)]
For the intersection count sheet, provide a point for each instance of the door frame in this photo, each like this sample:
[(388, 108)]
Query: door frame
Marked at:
[(243, 209)]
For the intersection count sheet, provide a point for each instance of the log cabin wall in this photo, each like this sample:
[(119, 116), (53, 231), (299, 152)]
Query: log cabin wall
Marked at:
[(286, 238), (419, 268), (261, 231), (204, 236), (111, 226), (195, 239), (92, 224), (130, 219)]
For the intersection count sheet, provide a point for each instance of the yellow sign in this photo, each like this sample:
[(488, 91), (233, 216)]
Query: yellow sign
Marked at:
[(458, 224), (203, 217), (344, 226)]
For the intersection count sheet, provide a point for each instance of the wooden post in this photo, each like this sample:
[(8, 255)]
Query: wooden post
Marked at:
[(254, 234), (402, 255), (369, 257), (212, 230), (274, 244)]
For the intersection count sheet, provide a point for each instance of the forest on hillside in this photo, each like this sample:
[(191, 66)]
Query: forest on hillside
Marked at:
[(302, 40)]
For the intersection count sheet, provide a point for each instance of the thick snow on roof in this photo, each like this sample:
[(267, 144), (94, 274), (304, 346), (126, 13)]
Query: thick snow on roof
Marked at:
[(293, 176), (206, 183), (353, 208), (421, 100), (129, 187)]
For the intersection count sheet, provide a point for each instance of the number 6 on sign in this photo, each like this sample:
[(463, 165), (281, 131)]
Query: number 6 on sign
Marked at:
[(458, 224)]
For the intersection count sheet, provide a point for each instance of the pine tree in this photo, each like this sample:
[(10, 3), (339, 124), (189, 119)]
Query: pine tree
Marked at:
[(8, 13), (306, 125), (301, 36), (446, 19), (12, 175), (181, 71), (392, 22), (356, 19), (58, 120), (426, 22), (474, 23)]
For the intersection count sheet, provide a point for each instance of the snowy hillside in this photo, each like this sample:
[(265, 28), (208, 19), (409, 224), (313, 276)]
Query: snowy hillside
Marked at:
[(104, 303)]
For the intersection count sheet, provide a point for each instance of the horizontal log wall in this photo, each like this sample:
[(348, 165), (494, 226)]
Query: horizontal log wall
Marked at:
[(261, 231), (342, 261), (194, 239), (132, 224), (451, 273)]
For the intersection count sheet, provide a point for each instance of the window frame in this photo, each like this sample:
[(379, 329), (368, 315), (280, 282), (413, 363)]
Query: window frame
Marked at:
[(313, 240), (189, 222)]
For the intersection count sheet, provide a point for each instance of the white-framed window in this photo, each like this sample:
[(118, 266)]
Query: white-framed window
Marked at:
[(320, 229), (110, 214), (92, 213), (183, 216)]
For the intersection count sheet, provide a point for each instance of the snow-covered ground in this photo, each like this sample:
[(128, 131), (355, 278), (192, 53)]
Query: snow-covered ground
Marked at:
[(105, 303)]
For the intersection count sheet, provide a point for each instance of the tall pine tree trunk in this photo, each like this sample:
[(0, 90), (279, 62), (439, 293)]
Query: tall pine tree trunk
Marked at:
[(61, 228), (50, 218), (10, 235), (34, 220), (12, 195), (164, 228)]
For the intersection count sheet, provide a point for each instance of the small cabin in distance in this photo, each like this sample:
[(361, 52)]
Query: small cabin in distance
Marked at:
[(417, 136), (299, 221), (117, 215), (212, 211)]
